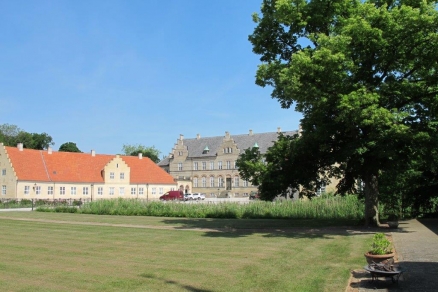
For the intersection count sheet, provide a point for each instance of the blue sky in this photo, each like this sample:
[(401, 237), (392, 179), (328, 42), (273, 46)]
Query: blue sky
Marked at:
[(106, 73)]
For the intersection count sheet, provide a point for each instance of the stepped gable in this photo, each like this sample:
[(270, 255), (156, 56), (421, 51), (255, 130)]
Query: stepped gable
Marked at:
[(145, 170), (27, 164), (196, 146)]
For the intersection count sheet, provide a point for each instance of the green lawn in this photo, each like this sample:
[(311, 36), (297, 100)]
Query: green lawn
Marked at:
[(118, 253)]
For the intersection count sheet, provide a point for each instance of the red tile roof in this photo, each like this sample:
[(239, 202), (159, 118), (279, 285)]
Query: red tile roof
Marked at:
[(38, 165)]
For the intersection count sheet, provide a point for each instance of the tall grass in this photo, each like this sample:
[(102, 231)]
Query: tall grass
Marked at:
[(331, 207)]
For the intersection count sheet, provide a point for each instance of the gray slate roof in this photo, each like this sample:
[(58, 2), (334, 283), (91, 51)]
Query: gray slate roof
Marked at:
[(244, 141)]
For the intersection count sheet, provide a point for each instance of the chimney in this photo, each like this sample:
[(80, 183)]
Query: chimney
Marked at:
[(140, 155), (49, 150), (250, 132), (93, 153), (198, 136), (20, 146), (181, 137), (278, 130)]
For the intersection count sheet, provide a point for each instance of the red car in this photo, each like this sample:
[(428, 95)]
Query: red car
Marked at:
[(172, 196)]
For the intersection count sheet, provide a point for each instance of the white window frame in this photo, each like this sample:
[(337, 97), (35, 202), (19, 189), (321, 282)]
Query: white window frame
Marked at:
[(73, 191), (219, 165), (26, 190), (62, 191), (180, 166), (133, 191), (236, 181), (84, 191), (111, 191), (195, 165), (141, 191), (122, 175), (154, 191), (111, 175), (3, 190), (50, 190), (211, 181), (195, 182), (245, 183), (211, 165), (161, 191), (4, 171), (220, 182), (204, 181), (100, 191), (228, 164), (38, 190), (121, 191), (204, 165)]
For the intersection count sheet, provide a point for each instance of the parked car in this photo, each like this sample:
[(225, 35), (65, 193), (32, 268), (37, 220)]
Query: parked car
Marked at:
[(198, 196), (172, 196), (188, 197), (254, 196)]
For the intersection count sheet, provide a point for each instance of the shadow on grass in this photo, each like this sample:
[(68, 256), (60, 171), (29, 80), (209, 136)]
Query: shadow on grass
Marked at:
[(171, 282), (234, 228)]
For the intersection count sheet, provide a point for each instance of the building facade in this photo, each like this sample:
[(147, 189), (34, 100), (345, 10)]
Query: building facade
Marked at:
[(51, 175), (208, 165)]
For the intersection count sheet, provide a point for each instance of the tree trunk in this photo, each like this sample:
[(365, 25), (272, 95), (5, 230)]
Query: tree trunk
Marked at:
[(371, 191)]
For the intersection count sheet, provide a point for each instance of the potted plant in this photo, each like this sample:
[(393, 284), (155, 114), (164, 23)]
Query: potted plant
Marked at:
[(381, 250), (392, 220)]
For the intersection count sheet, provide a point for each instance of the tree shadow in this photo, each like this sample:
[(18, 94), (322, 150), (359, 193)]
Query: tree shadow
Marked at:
[(172, 282), (431, 224), (235, 228)]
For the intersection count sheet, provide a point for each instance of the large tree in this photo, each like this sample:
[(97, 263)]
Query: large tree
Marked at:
[(366, 83), (10, 135), (133, 150)]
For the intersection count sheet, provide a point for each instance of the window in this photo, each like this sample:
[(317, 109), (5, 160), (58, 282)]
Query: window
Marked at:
[(38, 190), (50, 190), (211, 165), (236, 181), (195, 182), (195, 166), (228, 164), (235, 163), (141, 191), (245, 183), (122, 175), (3, 189), (180, 153), (62, 190), (85, 190), (73, 191), (111, 191), (111, 175), (211, 181), (121, 191), (228, 150), (154, 191), (180, 166), (204, 182), (219, 165), (4, 171), (161, 191), (26, 190), (133, 191), (100, 191), (220, 182), (204, 165)]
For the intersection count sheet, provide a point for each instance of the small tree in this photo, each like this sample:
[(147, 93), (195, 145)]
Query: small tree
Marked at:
[(134, 150), (69, 147)]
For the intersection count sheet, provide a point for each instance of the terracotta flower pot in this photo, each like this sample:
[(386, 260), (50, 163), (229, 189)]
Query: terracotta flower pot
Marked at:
[(377, 258)]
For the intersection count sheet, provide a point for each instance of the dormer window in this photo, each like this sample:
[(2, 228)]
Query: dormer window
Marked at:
[(206, 150), (228, 150)]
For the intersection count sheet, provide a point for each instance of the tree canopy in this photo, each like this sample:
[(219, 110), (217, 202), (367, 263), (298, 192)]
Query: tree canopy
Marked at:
[(69, 147), (11, 135), (134, 150), (366, 84)]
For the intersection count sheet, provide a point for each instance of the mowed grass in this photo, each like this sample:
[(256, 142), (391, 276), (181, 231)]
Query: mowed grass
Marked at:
[(72, 252)]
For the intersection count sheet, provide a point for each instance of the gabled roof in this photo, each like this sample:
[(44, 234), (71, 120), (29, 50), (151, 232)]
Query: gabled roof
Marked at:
[(196, 146), (39, 165)]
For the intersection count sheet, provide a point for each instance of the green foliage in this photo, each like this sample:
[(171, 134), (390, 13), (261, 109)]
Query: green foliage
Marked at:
[(329, 208), (69, 147), (380, 245), (134, 150), (11, 135), (366, 85)]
